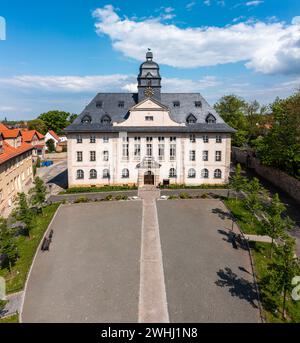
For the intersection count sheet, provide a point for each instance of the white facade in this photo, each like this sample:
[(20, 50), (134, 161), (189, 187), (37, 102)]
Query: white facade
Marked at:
[(176, 157)]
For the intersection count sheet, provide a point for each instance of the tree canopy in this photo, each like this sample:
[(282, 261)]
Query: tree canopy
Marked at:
[(56, 120)]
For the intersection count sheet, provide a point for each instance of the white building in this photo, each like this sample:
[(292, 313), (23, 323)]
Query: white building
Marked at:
[(148, 137), (53, 136)]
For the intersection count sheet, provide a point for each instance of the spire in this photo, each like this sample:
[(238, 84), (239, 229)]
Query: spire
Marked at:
[(149, 55)]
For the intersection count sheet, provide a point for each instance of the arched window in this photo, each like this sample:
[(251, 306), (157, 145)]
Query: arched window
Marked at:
[(80, 174), (191, 119), (204, 173), (86, 119), (105, 173), (172, 172), (106, 120), (217, 174), (192, 173), (125, 173), (93, 174), (210, 119)]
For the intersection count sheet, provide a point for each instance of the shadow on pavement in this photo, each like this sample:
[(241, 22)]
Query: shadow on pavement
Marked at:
[(235, 239), (60, 180), (238, 287)]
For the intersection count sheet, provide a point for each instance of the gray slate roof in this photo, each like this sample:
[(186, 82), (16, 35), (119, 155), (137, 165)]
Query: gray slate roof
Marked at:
[(110, 102)]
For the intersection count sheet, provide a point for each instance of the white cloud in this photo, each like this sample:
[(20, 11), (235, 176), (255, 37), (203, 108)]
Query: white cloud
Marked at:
[(207, 2), (264, 47), (254, 3), (190, 5)]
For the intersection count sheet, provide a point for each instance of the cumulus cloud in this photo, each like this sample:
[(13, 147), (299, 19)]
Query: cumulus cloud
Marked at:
[(264, 47)]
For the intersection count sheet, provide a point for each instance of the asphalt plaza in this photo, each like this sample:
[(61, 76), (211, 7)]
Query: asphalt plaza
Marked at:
[(92, 271)]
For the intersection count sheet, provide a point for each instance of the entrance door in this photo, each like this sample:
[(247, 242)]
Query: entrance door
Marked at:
[(149, 178)]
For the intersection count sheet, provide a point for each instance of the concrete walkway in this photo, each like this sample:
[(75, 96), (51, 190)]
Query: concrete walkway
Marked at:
[(152, 299), (258, 238)]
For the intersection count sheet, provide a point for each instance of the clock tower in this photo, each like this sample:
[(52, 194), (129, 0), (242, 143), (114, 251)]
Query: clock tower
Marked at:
[(149, 80)]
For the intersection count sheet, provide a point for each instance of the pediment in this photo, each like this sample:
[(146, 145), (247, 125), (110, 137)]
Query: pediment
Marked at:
[(149, 104)]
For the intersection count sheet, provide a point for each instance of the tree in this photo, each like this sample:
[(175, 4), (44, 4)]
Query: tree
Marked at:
[(283, 269), (23, 213), (274, 224), (238, 181), (8, 247), (55, 120), (38, 125), (38, 192), (281, 146), (72, 117), (253, 200), (231, 109), (50, 145)]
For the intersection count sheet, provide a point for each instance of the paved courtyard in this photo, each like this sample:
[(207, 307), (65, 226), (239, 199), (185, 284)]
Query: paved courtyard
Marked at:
[(142, 261)]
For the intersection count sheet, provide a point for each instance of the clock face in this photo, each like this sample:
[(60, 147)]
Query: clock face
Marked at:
[(149, 92)]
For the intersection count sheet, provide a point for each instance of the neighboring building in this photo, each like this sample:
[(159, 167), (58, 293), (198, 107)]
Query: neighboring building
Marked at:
[(15, 168), (52, 135), (148, 137), (37, 140)]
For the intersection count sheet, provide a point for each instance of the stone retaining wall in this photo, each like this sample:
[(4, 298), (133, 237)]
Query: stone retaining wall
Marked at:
[(277, 177)]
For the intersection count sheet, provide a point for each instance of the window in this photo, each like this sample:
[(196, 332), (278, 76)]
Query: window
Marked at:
[(172, 172), (79, 156), (217, 174), (193, 138), (126, 139), (198, 104), (218, 139), (106, 174), (172, 152), (125, 173), (79, 139), (125, 151), (210, 119), (205, 139), (121, 104), (137, 139), (92, 139), (161, 152), (192, 155), (191, 173), (92, 156), (149, 139), (176, 103), (86, 119), (218, 156), (93, 174), (99, 104), (161, 139), (105, 156), (80, 174), (204, 155), (149, 118), (106, 120), (191, 119), (204, 173), (137, 151), (149, 150), (172, 139)]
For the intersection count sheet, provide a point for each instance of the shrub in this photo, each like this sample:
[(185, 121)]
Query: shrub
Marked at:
[(184, 196), (204, 196), (172, 197), (98, 189), (109, 197), (80, 200), (121, 197)]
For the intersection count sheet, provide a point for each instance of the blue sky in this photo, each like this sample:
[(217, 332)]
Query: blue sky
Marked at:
[(59, 54)]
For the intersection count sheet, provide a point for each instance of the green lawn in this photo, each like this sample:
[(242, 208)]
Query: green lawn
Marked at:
[(203, 186), (98, 189), (272, 303), (246, 221), (10, 319), (15, 280)]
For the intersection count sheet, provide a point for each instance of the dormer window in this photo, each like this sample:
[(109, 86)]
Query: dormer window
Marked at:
[(191, 119), (86, 119), (99, 104), (210, 119), (121, 104), (106, 120), (198, 104), (176, 103)]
